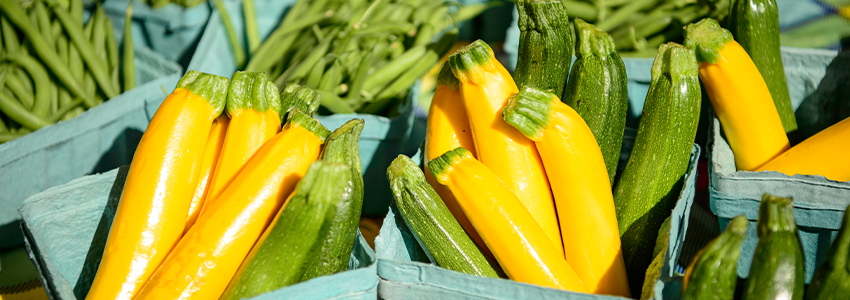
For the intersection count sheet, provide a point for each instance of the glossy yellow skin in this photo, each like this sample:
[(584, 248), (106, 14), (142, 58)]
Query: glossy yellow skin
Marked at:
[(743, 104), (505, 150), (448, 128), (205, 260), (584, 201), (509, 230), (825, 154), (211, 151), (152, 211), (249, 130)]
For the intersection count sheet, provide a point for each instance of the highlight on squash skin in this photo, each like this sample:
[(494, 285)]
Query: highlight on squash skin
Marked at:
[(823, 154), (583, 195), (211, 152), (208, 255), (485, 87), (519, 244), (155, 200), (253, 105), (738, 94)]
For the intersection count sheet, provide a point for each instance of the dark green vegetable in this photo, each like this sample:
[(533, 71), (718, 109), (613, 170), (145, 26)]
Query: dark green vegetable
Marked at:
[(832, 278), (646, 192), (251, 32), (597, 91), (713, 271), (755, 25), (545, 45), (777, 270), (235, 45), (129, 55)]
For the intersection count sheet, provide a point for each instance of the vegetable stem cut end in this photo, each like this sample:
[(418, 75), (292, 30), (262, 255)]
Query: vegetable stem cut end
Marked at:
[(592, 41), (443, 164), (447, 78), (707, 38), (528, 111), (676, 60), (404, 167), (212, 88), (296, 96), (298, 118), (776, 214), (471, 61), (252, 90)]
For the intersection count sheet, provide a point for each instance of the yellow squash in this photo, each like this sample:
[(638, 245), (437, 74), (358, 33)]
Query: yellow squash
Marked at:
[(825, 154), (211, 152), (738, 94), (574, 161), (208, 255), (485, 87), (253, 104), (509, 230), (158, 190), (448, 128)]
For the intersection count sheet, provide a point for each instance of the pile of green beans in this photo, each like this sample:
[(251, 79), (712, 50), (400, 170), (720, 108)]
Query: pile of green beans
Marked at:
[(52, 67), (640, 26), (362, 56)]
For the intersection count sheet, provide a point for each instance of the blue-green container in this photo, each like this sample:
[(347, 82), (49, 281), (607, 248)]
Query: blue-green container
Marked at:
[(819, 84), (98, 140), (66, 229), (382, 138), (171, 30), (405, 272)]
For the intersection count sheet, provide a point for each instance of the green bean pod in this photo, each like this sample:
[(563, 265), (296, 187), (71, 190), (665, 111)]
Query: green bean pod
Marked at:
[(129, 68), (16, 85), (19, 114), (41, 81), (394, 68)]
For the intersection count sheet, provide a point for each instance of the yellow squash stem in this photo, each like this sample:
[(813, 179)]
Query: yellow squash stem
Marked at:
[(825, 154), (211, 152), (485, 87), (519, 244), (208, 255), (158, 190), (253, 105), (574, 161), (738, 94), (448, 128)]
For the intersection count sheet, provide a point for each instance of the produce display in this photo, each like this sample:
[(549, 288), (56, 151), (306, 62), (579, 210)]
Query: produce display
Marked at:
[(54, 67), (300, 171)]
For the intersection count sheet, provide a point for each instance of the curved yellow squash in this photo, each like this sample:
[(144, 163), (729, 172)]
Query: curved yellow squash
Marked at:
[(509, 230), (211, 152), (158, 190), (207, 257), (485, 86), (738, 94), (825, 154), (574, 161)]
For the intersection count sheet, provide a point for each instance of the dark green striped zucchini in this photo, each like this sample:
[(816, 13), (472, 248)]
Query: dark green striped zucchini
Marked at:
[(431, 222), (755, 25), (545, 45), (777, 269), (597, 91), (832, 278), (286, 249), (713, 272), (650, 183)]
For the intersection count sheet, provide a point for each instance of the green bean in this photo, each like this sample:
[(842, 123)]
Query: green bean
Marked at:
[(5, 137), (317, 32), (4, 69), (10, 37), (92, 61), (332, 77), (305, 41), (44, 26), (235, 45), (315, 74), (76, 10), (63, 112), (54, 98), (56, 28), (428, 29), (129, 55), (334, 103), (19, 114), (3, 128), (98, 36), (40, 79), (17, 86), (394, 68), (352, 60), (360, 77), (382, 27), (112, 53), (300, 70), (251, 31), (279, 41), (160, 3), (396, 50), (623, 13), (581, 10)]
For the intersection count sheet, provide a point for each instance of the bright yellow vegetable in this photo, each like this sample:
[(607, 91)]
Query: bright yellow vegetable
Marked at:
[(448, 128), (486, 86), (825, 154), (509, 230), (574, 161), (211, 152), (738, 94), (253, 105), (207, 257), (155, 201)]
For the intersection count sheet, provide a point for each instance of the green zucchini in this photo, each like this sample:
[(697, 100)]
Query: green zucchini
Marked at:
[(545, 45), (286, 249), (777, 270), (653, 273), (597, 91), (650, 182), (755, 25), (832, 278), (431, 222), (713, 272)]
